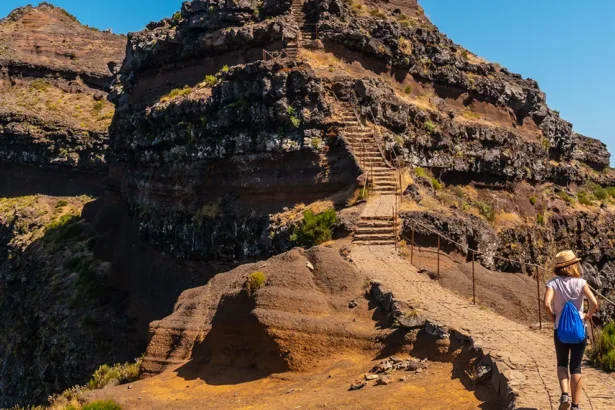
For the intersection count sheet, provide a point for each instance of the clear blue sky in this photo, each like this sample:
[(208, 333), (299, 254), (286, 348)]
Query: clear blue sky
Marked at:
[(567, 45)]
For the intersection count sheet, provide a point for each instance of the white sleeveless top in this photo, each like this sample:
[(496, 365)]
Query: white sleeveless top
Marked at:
[(566, 289)]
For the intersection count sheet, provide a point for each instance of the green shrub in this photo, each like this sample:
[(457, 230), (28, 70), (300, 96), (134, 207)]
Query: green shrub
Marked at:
[(464, 54), (546, 144), (564, 196), (62, 203), (583, 198), (256, 280), (295, 121), (177, 17), (600, 193), (102, 405), (533, 200), (61, 224), (225, 68), (315, 229), (540, 219), (178, 92), (437, 185), (421, 172), (603, 354), (98, 107), (611, 191), (208, 211), (113, 375), (486, 210), (39, 84), (430, 127), (210, 80), (408, 89)]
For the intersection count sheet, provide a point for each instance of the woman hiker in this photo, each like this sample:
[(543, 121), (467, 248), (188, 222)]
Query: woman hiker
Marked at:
[(568, 286)]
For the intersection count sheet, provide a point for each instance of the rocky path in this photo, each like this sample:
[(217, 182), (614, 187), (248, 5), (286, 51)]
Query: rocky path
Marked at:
[(524, 359)]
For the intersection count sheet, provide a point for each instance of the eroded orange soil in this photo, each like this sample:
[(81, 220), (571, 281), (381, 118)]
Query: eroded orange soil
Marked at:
[(323, 388)]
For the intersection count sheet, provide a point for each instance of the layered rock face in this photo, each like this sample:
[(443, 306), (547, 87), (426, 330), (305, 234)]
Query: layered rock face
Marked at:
[(202, 172), (54, 78), (60, 316), (297, 316), (455, 112)]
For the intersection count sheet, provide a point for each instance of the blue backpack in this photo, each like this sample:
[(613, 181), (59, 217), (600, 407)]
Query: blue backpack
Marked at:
[(570, 329)]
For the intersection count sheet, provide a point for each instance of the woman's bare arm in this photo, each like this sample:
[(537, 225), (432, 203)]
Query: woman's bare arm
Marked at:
[(593, 302), (549, 304)]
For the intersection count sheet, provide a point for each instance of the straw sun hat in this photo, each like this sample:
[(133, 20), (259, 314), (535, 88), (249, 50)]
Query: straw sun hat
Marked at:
[(565, 258)]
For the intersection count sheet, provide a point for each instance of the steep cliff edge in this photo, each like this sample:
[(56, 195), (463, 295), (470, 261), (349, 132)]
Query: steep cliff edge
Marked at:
[(60, 315), (54, 78)]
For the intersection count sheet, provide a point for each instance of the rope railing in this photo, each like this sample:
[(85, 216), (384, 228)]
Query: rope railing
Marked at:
[(475, 252)]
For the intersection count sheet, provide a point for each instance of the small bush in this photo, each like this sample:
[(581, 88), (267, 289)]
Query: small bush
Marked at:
[(546, 144), (208, 211), (178, 92), (98, 107), (564, 196), (464, 54), (210, 80), (39, 84), (315, 229), (603, 354), (102, 405), (256, 280), (225, 68), (177, 17), (540, 219), (295, 121), (62, 203), (611, 191), (600, 193), (583, 198), (437, 185), (421, 172), (113, 375), (430, 127), (408, 89), (486, 210), (533, 200)]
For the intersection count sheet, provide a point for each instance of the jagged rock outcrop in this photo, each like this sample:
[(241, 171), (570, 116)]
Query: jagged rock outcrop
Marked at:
[(298, 316), (60, 315), (54, 78), (203, 172)]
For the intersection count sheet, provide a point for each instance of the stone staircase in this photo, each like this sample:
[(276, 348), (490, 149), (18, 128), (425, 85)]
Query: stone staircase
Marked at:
[(377, 223), (292, 47)]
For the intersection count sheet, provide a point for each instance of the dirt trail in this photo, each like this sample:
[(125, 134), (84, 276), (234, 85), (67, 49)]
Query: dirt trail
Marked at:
[(325, 387), (524, 358)]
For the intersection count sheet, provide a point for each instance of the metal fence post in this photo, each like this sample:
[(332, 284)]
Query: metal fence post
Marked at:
[(539, 303), (473, 280), (412, 245), (438, 255)]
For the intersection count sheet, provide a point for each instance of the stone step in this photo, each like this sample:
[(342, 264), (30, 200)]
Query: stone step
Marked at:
[(385, 183), (374, 243), (388, 230), (376, 218), (377, 225)]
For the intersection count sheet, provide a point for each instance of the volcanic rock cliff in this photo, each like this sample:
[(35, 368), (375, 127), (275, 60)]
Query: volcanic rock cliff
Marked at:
[(54, 78), (214, 143), (230, 121), (59, 317)]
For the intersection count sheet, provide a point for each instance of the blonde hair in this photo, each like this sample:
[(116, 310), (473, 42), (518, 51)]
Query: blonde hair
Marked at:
[(573, 271)]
